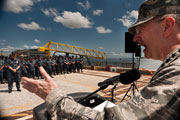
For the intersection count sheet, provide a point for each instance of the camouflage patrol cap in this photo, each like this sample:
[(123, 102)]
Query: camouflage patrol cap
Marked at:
[(153, 8)]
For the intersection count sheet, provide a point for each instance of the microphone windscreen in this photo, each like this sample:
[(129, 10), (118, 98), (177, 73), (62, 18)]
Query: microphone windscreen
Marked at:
[(129, 76)]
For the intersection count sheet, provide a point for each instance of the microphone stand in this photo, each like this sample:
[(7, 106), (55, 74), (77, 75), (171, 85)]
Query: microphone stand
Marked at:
[(100, 88), (133, 85), (112, 93)]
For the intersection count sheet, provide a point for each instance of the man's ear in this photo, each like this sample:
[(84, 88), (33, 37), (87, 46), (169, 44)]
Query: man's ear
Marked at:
[(168, 26)]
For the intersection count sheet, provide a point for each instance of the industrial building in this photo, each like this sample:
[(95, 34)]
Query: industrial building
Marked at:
[(29, 52)]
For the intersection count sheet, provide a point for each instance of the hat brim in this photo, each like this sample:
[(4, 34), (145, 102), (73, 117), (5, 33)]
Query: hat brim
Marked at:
[(132, 29)]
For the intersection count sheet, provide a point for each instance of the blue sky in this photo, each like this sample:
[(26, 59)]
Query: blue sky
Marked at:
[(92, 24)]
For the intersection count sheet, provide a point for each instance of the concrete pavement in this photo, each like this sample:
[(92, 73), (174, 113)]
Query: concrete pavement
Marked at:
[(13, 105)]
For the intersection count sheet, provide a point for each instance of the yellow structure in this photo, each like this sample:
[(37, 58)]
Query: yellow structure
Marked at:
[(59, 47)]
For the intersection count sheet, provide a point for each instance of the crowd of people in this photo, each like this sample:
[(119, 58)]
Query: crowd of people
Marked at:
[(12, 68)]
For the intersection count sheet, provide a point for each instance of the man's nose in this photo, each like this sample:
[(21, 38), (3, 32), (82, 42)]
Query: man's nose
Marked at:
[(136, 38)]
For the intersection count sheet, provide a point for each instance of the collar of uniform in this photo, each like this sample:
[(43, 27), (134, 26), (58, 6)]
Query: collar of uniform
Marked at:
[(171, 56)]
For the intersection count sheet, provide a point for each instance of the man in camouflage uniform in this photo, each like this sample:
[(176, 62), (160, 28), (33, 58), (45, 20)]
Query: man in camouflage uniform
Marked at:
[(158, 29)]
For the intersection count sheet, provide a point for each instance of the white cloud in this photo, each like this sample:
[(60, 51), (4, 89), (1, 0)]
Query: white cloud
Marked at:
[(73, 20), (40, 0), (97, 12), (46, 12), (11, 47), (17, 6), (37, 41), (30, 47), (31, 26), (2, 43), (7, 50), (26, 46), (85, 5), (117, 54), (34, 47), (101, 47), (50, 12), (3, 40), (4, 49), (102, 30), (69, 19), (61, 54), (128, 19)]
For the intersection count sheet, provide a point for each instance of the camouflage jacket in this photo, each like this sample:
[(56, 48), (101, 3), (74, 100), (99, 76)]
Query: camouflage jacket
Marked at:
[(159, 100)]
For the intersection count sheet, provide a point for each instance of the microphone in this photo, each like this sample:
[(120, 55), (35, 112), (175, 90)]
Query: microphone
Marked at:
[(124, 78)]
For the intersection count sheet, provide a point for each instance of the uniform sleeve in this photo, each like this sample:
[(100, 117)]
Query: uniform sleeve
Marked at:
[(159, 100), (65, 107)]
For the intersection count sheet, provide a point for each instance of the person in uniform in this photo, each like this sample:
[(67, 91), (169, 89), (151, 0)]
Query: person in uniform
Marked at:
[(39, 63), (44, 60), (27, 62), (61, 64), (48, 66), (53, 65), (77, 64), (5, 69), (23, 67), (70, 64), (36, 66), (13, 72), (66, 65), (57, 65), (158, 30), (73, 64), (81, 63), (2, 62), (31, 68)]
